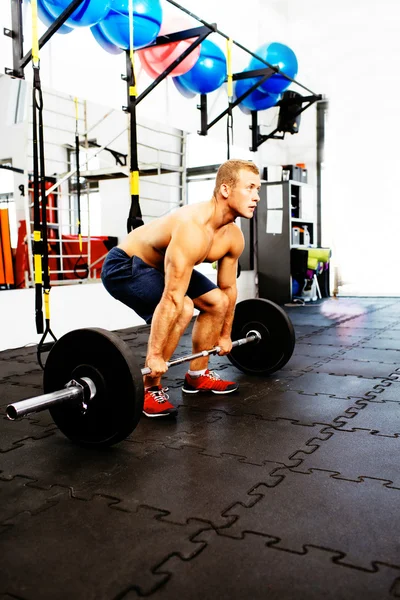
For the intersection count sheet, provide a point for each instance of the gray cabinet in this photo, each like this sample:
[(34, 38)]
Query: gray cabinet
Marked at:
[(286, 212)]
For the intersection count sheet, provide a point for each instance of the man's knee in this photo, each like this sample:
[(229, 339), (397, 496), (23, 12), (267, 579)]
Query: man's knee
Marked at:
[(215, 302), (186, 314), (188, 309)]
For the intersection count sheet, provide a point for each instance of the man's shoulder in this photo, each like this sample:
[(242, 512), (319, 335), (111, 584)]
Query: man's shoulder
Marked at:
[(188, 213), (235, 240), (235, 231)]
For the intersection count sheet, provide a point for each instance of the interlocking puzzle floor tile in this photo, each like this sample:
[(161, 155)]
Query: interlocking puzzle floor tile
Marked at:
[(34, 379), (300, 363), (333, 337), (317, 351), (184, 483), (12, 392), (172, 480), (41, 419), (12, 369), (359, 368), (380, 418), (61, 557), (385, 391), (14, 433), (17, 495), (355, 455), (300, 408), (314, 320), (374, 355), (396, 327), (333, 385), (382, 344), (25, 353), (251, 439), (250, 568), (367, 322), (320, 511), (389, 334), (55, 460), (166, 430)]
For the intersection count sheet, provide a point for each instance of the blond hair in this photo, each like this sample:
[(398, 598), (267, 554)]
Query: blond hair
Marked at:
[(229, 172)]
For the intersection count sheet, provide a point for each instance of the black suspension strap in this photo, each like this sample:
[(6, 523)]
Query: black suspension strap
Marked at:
[(40, 242), (135, 214), (81, 268), (37, 225), (229, 123), (229, 131)]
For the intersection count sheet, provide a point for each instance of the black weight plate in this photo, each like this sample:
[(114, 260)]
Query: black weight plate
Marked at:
[(277, 342), (116, 408)]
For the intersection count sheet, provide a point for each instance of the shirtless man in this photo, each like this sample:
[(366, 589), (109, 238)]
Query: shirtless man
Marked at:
[(152, 272)]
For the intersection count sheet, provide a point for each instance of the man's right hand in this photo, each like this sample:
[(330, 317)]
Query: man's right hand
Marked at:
[(157, 365)]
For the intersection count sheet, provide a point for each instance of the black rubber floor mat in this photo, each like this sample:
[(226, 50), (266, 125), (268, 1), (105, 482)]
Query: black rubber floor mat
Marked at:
[(252, 568), (321, 513), (355, 456), (136, 544), (349, 386), (358, 368), (302, 409)]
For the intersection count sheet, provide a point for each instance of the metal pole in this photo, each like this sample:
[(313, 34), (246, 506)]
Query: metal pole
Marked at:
[(322, 108)]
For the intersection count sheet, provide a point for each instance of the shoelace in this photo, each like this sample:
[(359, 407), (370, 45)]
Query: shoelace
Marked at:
[(160, 396), (212, 375)]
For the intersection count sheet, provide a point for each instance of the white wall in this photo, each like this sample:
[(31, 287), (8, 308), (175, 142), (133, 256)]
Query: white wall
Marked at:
[(352, 52)]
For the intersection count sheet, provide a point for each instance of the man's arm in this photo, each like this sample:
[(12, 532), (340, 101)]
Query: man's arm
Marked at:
[(227, 278), (187, 246)]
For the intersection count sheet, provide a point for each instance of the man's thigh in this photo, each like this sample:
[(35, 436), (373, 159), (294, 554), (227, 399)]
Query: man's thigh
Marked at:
[(199, 287), (133, 282)]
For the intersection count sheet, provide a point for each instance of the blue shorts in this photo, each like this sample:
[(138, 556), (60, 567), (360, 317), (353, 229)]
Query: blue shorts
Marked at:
[(140, 286)]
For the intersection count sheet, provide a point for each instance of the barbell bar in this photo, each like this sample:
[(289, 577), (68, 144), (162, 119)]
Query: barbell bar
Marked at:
[(252, 336), (80, 391), (93, 386)]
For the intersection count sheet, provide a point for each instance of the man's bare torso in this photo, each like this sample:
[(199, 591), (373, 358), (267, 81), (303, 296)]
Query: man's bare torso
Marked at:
[(149, 242)]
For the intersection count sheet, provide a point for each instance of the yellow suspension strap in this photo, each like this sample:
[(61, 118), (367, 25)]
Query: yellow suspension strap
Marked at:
[(81, 268), (229, 124), (40, 244), (135, 213)]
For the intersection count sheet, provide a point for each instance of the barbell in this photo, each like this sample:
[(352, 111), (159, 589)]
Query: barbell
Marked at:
[(93, 386)]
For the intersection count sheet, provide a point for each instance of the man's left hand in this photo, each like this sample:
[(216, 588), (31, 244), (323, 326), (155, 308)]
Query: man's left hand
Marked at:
[(225, 343)]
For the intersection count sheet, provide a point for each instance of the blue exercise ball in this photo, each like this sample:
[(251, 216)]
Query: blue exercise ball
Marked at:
[(182, 90), (88, 13), (147, 18), (103, 41), (47, 19), (278, 55), (209, 72), (257, 99), (295, 287)]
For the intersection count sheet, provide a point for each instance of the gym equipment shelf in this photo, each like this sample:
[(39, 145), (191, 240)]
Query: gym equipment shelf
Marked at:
[(283, 205)]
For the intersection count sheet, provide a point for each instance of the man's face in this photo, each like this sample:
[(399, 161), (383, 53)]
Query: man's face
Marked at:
[(243, 197)]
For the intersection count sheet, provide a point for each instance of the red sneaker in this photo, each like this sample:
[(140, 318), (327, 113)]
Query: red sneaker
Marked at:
[(156, 403), (209, 382)]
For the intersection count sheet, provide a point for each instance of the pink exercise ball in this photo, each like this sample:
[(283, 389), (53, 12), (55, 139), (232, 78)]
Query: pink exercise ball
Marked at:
[(158, 58), (148, 69)]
